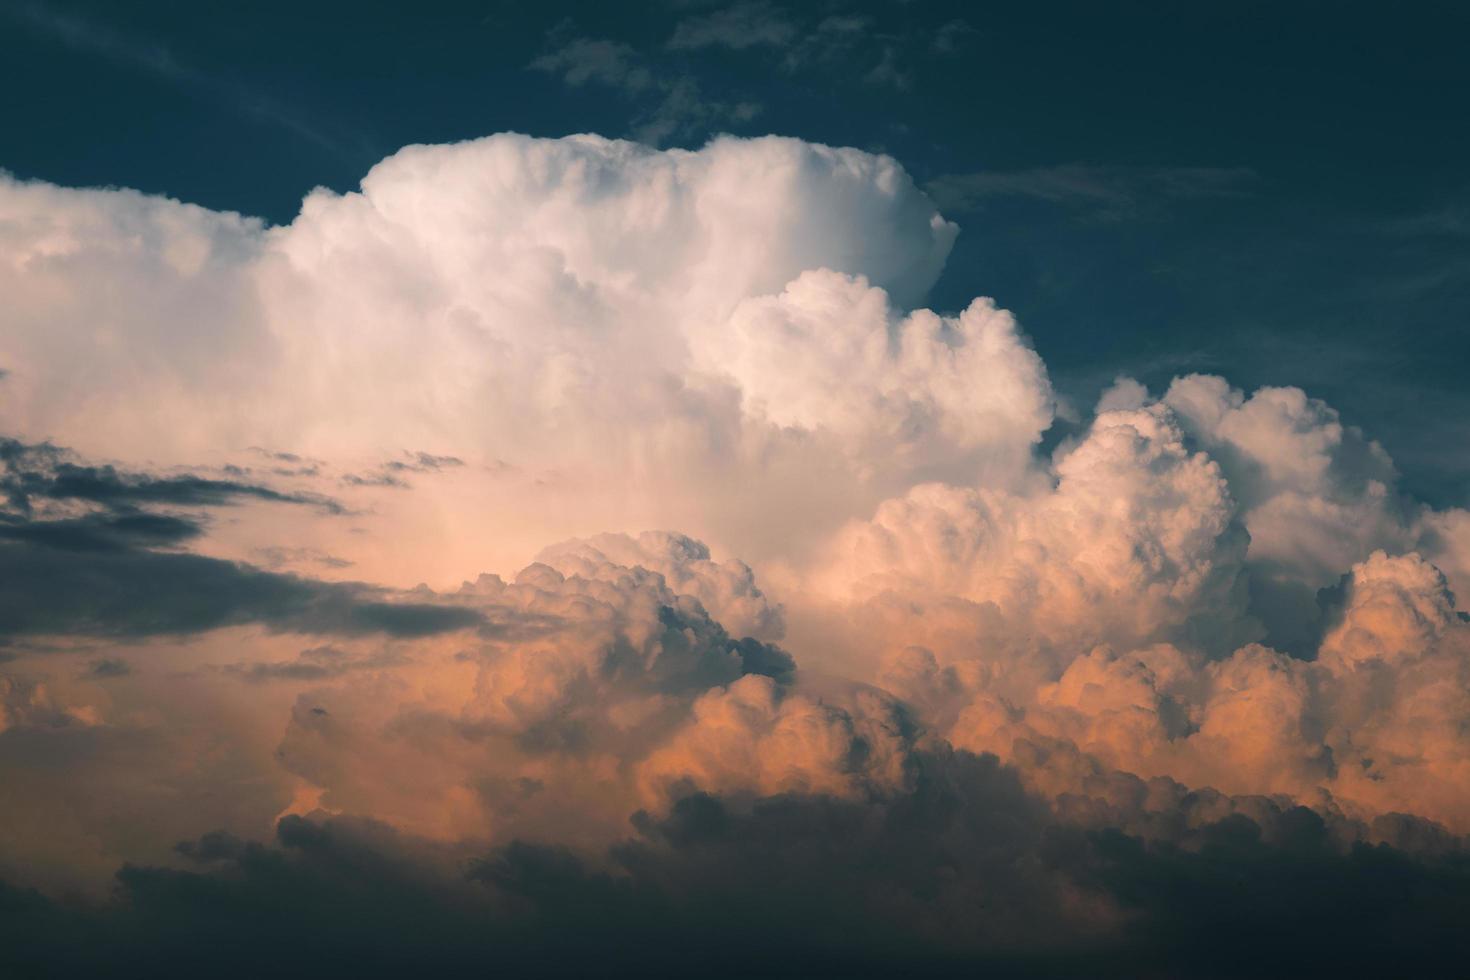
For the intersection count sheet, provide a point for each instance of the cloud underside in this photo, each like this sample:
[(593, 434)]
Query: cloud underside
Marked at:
[(900, 690), (797, 887)]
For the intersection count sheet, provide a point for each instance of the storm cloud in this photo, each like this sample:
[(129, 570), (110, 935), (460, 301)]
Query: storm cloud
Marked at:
[(903, 680)]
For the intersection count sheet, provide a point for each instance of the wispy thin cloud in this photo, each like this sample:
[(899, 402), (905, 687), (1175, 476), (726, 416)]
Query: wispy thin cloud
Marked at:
[(152, 57), (676, 107), (584, 60), (1109, 191), (852, 41), (745, 25)]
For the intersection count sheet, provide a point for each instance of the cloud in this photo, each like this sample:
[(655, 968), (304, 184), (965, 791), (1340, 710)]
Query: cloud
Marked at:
[(1136, 540), (954, 35), (670, 90), (1315, 495), (737, 27), (887, 72), (390, 474), (938, 390), (29, 704), (33, 473), (538, 727), (109, 667), (816, 887), (726, 589), (314, 664), (1257, 721), (751, 738), (582, 60), (904, 688), (137, 593), (276, 557), (676, 107), (575, 368), (1109, 191), (101, 571), (869, 50), (685, 112), (155, 58)]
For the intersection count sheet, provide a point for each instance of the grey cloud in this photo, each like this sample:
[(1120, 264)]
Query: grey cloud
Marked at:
[(136, 593), (108, 667), (881, 56), (375, 479), (832, 39), (738, 27), (314, 664), (217, 845), (684, 110), (31, 472), (98, 573), (889, 71), (388, 474), (50, 498), (287, 464), (424, 462), (277, 557), (675, 105), (954, 35), (282, 457), (582, 60), (101, 532)]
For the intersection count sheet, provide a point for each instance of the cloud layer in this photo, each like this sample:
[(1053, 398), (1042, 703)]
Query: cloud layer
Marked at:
[(889, 657)]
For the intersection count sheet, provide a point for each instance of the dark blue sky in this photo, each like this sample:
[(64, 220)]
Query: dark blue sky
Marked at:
[(1279, 193)]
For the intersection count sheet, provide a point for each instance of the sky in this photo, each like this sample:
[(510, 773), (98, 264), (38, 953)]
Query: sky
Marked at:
[(805, 489)]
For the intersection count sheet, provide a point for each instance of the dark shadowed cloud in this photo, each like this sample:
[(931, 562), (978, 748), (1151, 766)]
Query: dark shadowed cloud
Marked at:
[(100, 571), (136, 593), (47, 472), (965, 876)]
